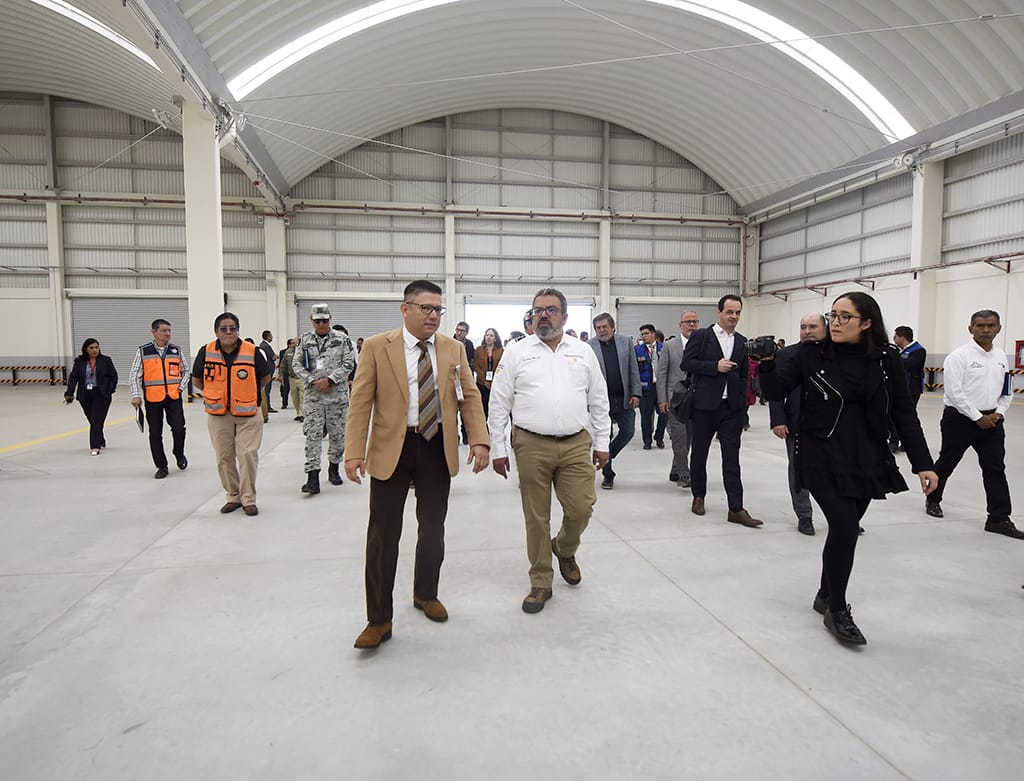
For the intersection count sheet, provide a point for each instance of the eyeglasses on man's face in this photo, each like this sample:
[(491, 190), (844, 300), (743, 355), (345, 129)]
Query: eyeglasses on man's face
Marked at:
[(227, 329), (428, 309), (550, 311), (690, 322), (841, 317)]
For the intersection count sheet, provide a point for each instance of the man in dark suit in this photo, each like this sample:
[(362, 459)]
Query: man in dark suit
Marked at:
[(616, 358), (913, 356), (411, 386), (716, 357), (785, 414)]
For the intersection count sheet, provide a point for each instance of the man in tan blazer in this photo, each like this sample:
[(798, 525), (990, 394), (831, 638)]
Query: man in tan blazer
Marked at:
[(414, 382)]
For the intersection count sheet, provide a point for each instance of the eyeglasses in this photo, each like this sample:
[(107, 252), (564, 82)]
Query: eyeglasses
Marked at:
[(550, 311), (227, 329), (427, 309), (841, 317), (690, 322)]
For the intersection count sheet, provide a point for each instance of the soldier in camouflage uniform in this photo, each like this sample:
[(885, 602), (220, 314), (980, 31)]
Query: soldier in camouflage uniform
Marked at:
[(323, 360)]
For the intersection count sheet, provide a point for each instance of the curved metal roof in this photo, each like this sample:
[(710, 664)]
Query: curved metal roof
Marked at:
[(753, 118)]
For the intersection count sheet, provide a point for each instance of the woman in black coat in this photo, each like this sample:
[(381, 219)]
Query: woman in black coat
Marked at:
[(93, 381), (851, 384)]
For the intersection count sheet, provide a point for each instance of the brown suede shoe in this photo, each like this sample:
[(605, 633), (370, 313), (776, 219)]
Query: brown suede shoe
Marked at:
[(534, 602), (743, 517), (567, 566), (230, 507), (374, 635), (251, 509), (431, 608), (697, 508)]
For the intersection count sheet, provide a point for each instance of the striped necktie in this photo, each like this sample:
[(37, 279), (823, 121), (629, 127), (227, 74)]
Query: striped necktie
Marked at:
[(430, 413)]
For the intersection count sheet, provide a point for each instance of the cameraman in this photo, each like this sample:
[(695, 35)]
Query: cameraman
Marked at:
[(717, 359)]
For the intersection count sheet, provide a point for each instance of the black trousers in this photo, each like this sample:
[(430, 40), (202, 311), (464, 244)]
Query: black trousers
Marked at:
[(485, 397), (175, 412), (95, 407), (960, 433), (728, 424), (649, 413), (843, 515), (286, 388), (424, 464)]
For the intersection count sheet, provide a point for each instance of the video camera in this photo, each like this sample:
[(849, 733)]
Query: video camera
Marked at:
[(761, 347)]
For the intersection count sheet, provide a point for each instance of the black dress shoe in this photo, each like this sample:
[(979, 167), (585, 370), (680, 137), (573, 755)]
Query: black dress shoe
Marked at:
[(647, 445), (1004, 527), (934, 509), (660, 443), (805, 526), (840, 624), (608, 483), (673, 477), (300, 418), (820, 604), (161, 473), (182, 463)]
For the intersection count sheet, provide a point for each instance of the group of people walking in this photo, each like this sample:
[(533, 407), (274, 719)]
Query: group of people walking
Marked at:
[(841, 397)]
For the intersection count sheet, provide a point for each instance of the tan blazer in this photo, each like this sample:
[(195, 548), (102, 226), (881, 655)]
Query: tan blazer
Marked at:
[(381, 389)]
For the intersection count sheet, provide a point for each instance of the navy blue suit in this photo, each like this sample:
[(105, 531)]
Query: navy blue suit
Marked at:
[(714, 415)]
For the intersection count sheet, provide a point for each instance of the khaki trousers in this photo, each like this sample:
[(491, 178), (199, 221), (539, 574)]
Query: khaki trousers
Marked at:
[(566, 464), (236, 442), (297, 391)]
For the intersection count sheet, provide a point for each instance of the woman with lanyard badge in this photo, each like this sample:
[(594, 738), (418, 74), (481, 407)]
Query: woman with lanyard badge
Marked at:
[(93, 381), (485, 361)]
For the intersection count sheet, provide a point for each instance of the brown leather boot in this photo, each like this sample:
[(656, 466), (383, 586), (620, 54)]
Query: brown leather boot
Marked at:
[(743, 518), (432, 608), (374, 635), (697, 508)]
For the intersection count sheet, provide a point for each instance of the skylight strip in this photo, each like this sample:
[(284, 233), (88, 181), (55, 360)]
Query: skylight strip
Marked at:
[(76, 15)]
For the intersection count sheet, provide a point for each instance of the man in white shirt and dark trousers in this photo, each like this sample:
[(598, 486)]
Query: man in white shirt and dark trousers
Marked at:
[(552, 386), (977, 396)]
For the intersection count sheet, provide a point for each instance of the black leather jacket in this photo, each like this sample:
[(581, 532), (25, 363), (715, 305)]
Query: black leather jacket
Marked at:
[(814, 368)]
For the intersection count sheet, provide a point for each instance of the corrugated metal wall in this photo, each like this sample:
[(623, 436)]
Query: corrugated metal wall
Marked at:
[(23, 256), (983, 212), (862, 232)]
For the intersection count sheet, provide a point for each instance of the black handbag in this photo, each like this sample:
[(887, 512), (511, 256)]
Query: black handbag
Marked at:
[(681, 403)]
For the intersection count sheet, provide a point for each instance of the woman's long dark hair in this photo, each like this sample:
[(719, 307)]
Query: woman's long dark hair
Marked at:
[(86, 345), (875, 337)]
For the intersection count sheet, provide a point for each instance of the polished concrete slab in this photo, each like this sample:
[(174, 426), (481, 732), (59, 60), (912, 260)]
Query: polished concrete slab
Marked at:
[(147, 636)]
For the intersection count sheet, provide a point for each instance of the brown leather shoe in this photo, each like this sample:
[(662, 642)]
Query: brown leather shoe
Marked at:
[(697, 508), (567, 566), (230, 507), (374, 635), (251, 509), (743, 517), (534, 602), (431, 608)]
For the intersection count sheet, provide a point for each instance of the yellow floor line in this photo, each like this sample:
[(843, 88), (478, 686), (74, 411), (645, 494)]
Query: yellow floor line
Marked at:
[(52, 437)]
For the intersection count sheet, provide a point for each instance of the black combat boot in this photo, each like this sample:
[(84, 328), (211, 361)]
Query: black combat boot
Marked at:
[(312, 485), (333, 475)]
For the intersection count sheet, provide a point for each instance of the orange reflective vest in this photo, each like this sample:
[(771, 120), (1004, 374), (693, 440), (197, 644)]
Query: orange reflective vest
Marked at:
[(161, 376), (230, 389)]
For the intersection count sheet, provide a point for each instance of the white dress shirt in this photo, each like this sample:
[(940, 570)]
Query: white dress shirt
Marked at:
[(974, 380), (726, 340), (412, 369), (552, 392)]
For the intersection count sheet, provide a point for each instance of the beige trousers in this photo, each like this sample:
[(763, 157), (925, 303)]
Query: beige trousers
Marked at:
[(236, 442), (297, 392), (566, 464)]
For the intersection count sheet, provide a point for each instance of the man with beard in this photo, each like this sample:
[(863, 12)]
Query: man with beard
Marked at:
[(551, 384)]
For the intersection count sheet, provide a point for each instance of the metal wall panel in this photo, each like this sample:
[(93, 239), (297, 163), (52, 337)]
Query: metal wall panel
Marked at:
[(23, 253), (665, 317), (362, 318), (842, 237)]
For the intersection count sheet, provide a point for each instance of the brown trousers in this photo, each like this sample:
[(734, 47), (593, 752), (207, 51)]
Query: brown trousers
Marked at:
[(422, 463), (297, 392), (236, 442), (567, 465)]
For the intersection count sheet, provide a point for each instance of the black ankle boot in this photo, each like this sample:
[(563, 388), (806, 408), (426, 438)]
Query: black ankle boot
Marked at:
[(312, 485), (840, 624), (333, 475)]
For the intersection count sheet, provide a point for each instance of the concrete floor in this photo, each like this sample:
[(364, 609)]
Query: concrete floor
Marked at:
[(146, 636)]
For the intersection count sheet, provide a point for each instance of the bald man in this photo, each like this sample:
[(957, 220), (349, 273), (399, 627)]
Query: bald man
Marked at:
[(784, 415), (670, 374)]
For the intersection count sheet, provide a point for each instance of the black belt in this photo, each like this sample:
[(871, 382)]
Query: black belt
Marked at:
[(555, 437), (982, 411), (416, 429)]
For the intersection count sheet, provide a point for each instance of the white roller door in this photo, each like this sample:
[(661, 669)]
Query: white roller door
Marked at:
[(361, 317), (122, 324)]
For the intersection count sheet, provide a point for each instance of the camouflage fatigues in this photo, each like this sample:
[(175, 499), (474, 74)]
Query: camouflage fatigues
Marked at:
[(331, 356)]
